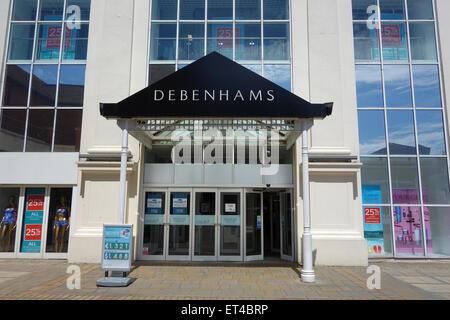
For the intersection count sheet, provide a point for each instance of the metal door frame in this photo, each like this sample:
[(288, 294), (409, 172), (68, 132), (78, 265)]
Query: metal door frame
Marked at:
[(260, 256)]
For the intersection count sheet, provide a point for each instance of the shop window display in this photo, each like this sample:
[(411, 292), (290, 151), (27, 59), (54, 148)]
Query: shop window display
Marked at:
[(59, 220), (9, 198)]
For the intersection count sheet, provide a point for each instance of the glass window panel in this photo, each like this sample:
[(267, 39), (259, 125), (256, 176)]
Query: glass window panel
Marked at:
[(51, 10), (191, 43), (401, 132), (372, 134), (375, 180), (164, 9), (205, 212), (248, 9), (405, 182), (76, 42), (398, 86), (434, 174), (369, 88), (12, 130), (430, 132), (40, 130), (420, 9), (68, 130), (220, 9), (192, 9), (24, 10), (366, 41), (408, 231), (276, 41), (392, 10), (159, 71), (360, 8), (248, 41), (254, 67), (21, 42), (395, 46), (437, 230), (163, 41), (43, 85), (427, 90), (58, 220), (17, 83), (220, 39), (71, 86), (276, 9), (279, 74), (423, 41), (48, 42), (85, 8), (378, 237)]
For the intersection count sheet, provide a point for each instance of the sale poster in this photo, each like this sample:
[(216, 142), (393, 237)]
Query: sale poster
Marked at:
[(51, 40), (154, 203), (373, 219), (33, 219), (179, 203)]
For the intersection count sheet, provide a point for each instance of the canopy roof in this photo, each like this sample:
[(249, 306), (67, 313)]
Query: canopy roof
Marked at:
[(214, 87)]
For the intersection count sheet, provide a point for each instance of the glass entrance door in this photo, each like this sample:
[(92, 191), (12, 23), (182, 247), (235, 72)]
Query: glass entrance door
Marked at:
[(179, 240), (154, 226), (286, 224), (230, 247), (205, 225), (254, 244)]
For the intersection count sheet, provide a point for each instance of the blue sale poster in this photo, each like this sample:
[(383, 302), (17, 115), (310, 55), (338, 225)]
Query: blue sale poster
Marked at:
[(180, 203), (33, 219), (373, 219)]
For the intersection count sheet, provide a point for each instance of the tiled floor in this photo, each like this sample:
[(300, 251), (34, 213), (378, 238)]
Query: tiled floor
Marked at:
[(46, 279)]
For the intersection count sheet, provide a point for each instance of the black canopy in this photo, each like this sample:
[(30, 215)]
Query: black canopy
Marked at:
[(214, 87)]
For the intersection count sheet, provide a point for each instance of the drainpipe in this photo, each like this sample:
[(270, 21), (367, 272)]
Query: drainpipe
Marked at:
[(307, 273), (123, 173)]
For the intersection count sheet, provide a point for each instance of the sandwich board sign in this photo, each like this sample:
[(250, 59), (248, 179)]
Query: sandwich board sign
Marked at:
[(116, 253)]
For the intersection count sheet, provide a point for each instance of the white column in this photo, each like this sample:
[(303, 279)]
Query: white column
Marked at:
[(308, 270), (123, 175)]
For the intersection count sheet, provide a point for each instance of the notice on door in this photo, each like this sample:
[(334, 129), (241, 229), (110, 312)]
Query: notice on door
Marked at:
[(33, 219), (179, 203), (230, 207)]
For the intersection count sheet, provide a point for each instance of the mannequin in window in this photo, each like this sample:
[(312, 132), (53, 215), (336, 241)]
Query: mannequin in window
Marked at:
[(8, 223), (61, 223)]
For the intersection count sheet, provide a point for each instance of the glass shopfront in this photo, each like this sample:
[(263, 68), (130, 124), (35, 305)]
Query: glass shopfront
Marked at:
[(35, 221), (214, 224)]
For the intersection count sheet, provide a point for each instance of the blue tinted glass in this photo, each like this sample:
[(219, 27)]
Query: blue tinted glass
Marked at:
[(43, 85), (248, 41), (360, 8), (12, 127), (24, 10), (71, 86), (405, 180), (51, 10), (192, 9), (372, 134), (220, 9), (420, 9), (427, 90), (375, 180), (401, 132), (369, 88), (17, 80), (40, 130), (21, 42), (392, 9), (220, 39), (248, 9), (164, 9), (76, 42), (68, 130), (435, 188), (163, 41), (191, 45), (254, 67), (48, 42), (423, 41), (395, 46), (430, 132), (276, 9), (85, 9), (366, 43), (279, 74), (398, 86), (276, 41)]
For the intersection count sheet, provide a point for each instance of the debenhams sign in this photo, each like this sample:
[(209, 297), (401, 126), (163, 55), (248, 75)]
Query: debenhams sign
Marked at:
[(213, 95)]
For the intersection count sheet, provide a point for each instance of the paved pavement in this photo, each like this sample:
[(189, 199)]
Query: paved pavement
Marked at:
[(46, 279)]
